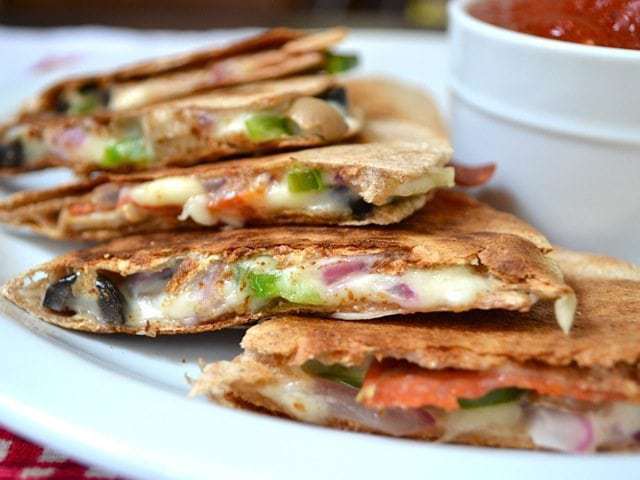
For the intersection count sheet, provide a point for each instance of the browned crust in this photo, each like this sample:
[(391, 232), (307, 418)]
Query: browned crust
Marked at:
[(581, 265), (518, 263), (454, 211), (506, 256), (605, 333), (387, 102), (270, 39), (38, 210)]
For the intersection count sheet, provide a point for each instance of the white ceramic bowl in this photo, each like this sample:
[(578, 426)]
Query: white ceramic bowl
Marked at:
[(561, 118)]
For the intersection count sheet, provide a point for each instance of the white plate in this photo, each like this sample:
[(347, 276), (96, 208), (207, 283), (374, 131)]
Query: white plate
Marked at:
[(120, 402)]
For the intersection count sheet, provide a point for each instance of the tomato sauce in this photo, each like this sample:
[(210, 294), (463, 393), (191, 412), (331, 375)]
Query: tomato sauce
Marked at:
[(607, 23)]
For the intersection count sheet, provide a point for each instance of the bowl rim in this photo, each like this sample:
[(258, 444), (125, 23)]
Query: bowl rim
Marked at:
[(458, 9)]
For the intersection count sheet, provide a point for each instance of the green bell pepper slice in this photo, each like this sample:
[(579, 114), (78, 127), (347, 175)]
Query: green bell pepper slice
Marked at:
[(494, 397), (305, 180), (339, 63), (263, 127), (353, 376), (128, 151)]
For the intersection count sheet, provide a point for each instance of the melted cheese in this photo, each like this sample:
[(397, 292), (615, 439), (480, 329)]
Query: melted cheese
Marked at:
[(197, 208), (565, 310), (234, 125), (495, 419), (446, 287), (204, 298), (297, 398), (437, 178), (279, 197), (92, 148), (451, 288), (167, 191), (189, 193)]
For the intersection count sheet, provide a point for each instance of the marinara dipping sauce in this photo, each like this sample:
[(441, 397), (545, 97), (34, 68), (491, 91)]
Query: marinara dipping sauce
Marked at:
[(608, 23)]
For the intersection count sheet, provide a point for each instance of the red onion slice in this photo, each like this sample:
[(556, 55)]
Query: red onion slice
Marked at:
[(106, 195), (70, 137), (473, 176), (342, 402), (149, 283), (588, 438), (559, 430), (213, 184), (403, 291), (337, 271)]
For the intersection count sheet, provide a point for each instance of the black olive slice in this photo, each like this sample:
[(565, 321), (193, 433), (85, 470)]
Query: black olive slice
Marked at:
[(59, 294), (12, 154), (104, 97), (88, 87), (359, 208), (93, 89), (111, 302), (337, 95), (61, 105)]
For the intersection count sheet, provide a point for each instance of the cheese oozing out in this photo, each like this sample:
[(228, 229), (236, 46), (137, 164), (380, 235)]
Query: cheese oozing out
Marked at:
[(267, 196), (348, 288)]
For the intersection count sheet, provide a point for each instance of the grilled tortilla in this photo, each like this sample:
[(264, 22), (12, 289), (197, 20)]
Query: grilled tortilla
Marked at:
[(395, 111), (272, 54), (484, 378), (199, 281), (280, 114), (345, 185), (452, 211)]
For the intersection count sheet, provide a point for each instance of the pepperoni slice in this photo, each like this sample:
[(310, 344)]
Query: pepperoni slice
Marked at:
[(396, 383), (473, 176)]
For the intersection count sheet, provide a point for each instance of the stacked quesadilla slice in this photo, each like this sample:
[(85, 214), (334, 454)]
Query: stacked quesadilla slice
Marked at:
[(276, 53), (191, 282), (484, 377), (215, 179), (345, 185), (281, 114)]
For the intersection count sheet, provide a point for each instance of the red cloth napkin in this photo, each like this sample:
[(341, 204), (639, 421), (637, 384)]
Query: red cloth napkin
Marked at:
[(20, 459)]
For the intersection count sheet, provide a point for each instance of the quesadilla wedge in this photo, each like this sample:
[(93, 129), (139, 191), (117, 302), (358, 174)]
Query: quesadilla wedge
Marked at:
[(198, 281), (345, 185), (272, 54), (483, 378), (280, 114)]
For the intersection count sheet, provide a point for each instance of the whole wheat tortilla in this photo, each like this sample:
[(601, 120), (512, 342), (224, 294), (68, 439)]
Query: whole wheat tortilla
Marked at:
[(375, 171), (605, 332), (604, 346), (516, 262), (290, 51), (179, 130), (395, 111)]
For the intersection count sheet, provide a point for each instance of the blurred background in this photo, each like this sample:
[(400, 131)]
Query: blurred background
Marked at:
[(206, 14)]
